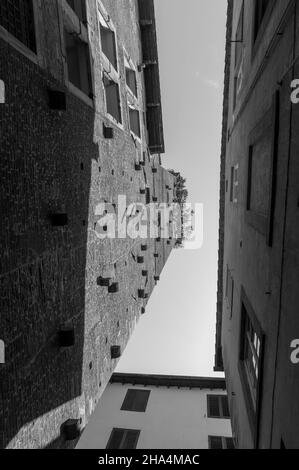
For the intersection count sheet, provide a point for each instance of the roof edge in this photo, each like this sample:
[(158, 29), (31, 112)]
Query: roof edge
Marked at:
[(218, 347), (216, 383)]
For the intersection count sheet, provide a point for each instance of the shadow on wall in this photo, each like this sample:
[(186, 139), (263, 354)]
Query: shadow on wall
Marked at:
[(46, 158)]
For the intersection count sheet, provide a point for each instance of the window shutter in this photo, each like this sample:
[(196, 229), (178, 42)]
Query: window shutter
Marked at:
[(141, 399), (115, 439), (229, 443), (215, 442), (225, 409), (129, 400), (130, 440), (135, 400), (213, 406)]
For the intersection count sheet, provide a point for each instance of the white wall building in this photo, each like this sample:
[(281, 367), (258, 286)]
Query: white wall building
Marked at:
[(160, 412)]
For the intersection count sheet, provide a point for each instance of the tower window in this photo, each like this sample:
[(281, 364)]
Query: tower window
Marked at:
[(112, 98), (78, 62), (17, 17)]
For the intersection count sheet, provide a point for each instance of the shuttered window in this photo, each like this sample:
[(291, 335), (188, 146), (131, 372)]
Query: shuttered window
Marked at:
[(136, 400), (78, 63), (217, 442), (17, 17), (123, 439), (218, 406)]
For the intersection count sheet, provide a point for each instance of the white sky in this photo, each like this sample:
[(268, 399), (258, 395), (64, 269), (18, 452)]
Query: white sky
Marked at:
[(177, 334)]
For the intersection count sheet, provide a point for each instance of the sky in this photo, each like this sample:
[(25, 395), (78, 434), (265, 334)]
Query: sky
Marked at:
[(177, 334)]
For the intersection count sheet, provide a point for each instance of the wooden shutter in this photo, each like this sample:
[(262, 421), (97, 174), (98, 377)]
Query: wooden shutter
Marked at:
[(213, 406), (215, 442), (115, 439), (225, 409), (130, 440)]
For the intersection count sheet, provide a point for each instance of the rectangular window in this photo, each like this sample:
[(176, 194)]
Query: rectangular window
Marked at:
[(136, 400), (259, 13), (148, 195), (218, 442), (229, 291), (218, 406), (17, 17), (259, 166), (251, 356), (78, 63), (251, 349), (135, 121), (123, 439), (262, 172), (79, 8), (131, 80), (108, 41), (112, 98)]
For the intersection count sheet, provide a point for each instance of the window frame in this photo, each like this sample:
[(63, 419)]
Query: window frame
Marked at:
[(220, 405), (107, 68), (81, 55), (258, 35), (34, 56), (269, 123), (253, 409), (84, 10), (108, 114), (136, 136), (132, 99), (68, 23), (223, 441), (125, 432), (129, 65), (145, 393), (102, 14)]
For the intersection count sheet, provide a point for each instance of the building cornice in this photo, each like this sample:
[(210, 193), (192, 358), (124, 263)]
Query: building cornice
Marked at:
[(212, 383)]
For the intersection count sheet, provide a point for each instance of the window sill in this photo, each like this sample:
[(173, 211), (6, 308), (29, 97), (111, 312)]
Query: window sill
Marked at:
[(218, 417), (80, 94), (139, 140), (113, 121), (18, 45), (109, 67)]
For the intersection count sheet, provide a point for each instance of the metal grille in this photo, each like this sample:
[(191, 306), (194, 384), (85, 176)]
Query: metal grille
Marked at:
[(16, 16)]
